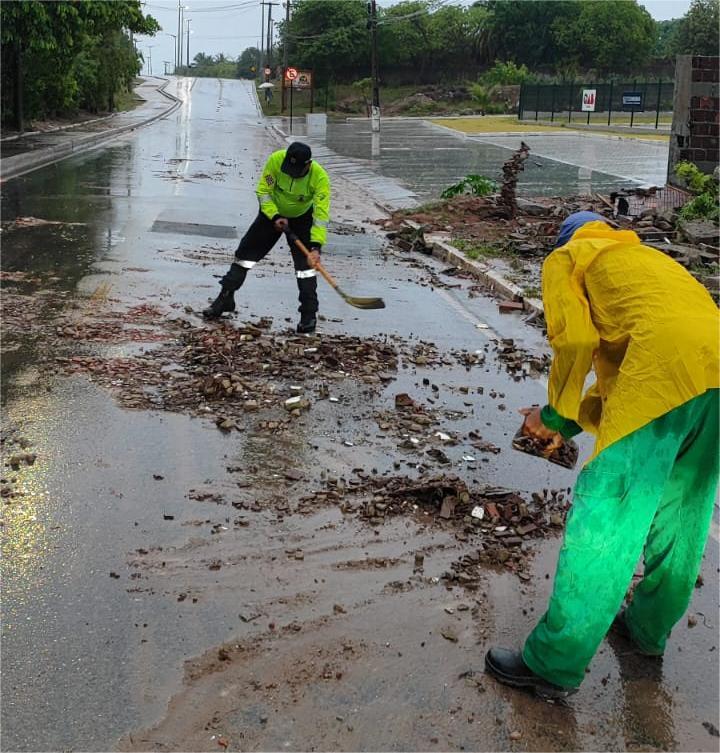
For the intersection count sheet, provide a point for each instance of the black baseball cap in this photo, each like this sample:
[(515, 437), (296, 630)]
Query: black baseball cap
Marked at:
[(297, 158)]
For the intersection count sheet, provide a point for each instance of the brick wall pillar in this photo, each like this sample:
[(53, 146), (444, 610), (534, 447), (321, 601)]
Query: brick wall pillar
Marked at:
[(696, 113)]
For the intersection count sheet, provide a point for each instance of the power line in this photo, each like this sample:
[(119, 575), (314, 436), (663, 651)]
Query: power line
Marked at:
[(238, 6)]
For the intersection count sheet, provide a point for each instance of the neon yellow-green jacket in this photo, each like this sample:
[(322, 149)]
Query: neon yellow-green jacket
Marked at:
[(283, 196)]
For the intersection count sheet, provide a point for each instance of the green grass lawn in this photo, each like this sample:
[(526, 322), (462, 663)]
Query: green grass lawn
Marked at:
[(510, 124)]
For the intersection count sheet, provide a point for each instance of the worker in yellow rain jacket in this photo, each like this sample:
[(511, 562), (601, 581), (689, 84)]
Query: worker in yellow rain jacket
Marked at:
[(650, 332), (294, 194)]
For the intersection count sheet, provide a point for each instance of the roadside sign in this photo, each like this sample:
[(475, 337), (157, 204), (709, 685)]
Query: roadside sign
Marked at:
[(291, 74), (632, 101), (303, 80), (589, 97)]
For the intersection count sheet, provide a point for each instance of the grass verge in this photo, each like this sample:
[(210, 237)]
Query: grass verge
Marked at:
[(510, 124)]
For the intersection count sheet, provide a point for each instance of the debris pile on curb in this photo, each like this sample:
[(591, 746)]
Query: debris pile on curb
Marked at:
[(523, 230), (511, 170)]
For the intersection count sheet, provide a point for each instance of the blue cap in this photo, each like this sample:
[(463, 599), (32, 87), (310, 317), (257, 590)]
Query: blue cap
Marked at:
[(574, 222)]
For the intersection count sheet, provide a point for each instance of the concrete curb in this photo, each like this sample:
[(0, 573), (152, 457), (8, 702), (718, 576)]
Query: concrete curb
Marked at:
[(279, 132), (59, 129), (20, 164), (483, 272)]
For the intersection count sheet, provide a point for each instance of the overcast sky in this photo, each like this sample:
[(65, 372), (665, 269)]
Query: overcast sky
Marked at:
[(230, 26)]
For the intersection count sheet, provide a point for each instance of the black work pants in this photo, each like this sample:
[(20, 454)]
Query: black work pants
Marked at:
[(258, 241)]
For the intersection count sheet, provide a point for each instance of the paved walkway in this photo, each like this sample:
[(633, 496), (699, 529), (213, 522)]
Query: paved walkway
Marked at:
[(641, 161), (416, 157), (33, 150)]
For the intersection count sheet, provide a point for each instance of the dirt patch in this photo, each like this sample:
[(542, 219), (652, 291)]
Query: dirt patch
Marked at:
[(484, 228)]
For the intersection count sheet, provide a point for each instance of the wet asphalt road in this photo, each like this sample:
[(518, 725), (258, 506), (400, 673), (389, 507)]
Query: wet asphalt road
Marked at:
[(88, 659)]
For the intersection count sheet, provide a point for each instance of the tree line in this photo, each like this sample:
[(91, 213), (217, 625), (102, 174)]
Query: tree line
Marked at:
[(430, 40), (62, 56)]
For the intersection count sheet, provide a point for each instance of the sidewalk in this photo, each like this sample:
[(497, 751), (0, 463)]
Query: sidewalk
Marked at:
[(35, 150)]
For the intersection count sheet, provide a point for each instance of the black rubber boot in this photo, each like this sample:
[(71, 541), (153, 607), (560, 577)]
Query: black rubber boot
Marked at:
[(307, 287), (509, 668), (307, 324), (620, 628), (225, 302)]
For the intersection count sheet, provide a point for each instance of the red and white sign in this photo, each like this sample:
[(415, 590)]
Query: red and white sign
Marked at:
[(268, 71), (588, 100), (291, 74)]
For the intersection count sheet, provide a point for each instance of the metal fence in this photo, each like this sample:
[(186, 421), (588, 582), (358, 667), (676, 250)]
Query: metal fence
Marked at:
[(618, 102)]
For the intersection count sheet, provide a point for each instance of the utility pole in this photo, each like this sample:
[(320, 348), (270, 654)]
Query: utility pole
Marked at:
[(269, 43), (262, 36), (150, 46), (187, 21), (375, 110), (285, 53), (268, 33)]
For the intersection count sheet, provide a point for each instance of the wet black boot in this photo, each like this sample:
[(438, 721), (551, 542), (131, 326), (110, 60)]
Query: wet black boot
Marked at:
[(509, 668), (307, 324), (307, 286), (225, 302)]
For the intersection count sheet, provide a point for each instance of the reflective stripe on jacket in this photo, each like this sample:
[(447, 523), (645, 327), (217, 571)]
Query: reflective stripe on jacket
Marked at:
[(279, 194)]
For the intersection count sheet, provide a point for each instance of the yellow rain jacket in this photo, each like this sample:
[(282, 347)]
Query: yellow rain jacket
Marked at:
[(647, 328), (283, 196)]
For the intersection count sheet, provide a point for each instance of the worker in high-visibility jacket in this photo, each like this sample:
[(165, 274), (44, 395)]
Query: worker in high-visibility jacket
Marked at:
[(294, 193), (650, 332)]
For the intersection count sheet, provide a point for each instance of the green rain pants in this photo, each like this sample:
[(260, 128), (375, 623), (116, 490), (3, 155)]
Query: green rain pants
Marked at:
[(652, 493)]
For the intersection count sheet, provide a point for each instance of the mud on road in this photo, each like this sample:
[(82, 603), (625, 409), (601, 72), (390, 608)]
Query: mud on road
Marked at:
[(225, 536), (363, 553)]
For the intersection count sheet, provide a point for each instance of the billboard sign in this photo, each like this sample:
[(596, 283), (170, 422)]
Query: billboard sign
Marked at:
[(632, 101), (589, 97)]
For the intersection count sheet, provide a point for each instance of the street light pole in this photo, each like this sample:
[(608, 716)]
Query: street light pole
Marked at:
[(174, 36), (183, 8), (187, 21), (150, 46), (178, 38)]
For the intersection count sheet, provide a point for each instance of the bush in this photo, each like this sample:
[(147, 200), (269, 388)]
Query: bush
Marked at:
[(705, 187), (506, 74), (476, 185), (483, 95), (703, 207), (694, 179)]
